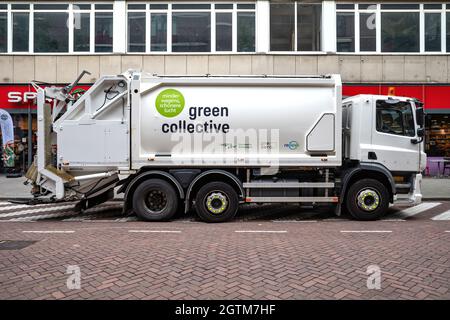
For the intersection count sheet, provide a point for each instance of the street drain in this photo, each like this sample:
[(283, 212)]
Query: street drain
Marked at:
[(15, 244)]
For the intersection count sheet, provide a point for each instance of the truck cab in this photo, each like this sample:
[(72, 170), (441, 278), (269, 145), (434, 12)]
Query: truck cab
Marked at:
[(387, 132)]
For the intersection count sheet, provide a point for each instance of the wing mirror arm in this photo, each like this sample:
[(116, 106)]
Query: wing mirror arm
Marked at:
[(420, 134)]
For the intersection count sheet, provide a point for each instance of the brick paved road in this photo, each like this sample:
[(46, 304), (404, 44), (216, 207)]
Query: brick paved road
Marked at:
[(269, 252)]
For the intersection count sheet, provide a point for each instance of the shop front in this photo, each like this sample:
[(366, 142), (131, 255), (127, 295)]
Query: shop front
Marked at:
[(18, 102)]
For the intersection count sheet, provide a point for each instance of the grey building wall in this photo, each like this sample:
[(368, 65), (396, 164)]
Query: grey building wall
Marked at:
[(353, 68)]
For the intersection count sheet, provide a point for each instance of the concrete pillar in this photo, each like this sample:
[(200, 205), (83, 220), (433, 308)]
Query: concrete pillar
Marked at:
[(328, 41), (119, 26), (262, 26)]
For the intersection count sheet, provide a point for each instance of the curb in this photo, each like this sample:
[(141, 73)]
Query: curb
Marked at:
[(436, 199)]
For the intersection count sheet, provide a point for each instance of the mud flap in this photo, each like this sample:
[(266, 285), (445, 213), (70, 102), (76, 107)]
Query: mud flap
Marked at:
[(338, 209)]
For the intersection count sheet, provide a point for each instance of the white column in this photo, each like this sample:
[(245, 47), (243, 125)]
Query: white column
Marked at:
[(213, 29), (422, 29), (443, 29), (119, 27), (328, 26), (234, 29), (262, 26), (10, 26), (31, 29), (70, 26)]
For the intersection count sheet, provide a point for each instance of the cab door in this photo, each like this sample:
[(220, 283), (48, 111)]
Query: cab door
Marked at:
[(393, 133)]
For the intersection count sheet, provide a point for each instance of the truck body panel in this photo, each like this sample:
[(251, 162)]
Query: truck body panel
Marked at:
[(237, 121)]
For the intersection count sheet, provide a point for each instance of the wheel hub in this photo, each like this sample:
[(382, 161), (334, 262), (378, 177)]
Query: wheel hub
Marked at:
[(368, 200), (156, 200), (216, 203)]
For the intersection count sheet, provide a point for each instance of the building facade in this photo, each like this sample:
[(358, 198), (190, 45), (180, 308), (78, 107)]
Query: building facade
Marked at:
[(388, 47)]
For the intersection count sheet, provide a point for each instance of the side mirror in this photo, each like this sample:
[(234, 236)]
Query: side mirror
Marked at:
[(420, 117), (420, 132)]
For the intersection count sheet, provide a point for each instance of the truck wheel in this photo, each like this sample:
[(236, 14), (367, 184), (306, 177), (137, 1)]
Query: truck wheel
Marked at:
[(155, 200), (216, 202), (367, 199)]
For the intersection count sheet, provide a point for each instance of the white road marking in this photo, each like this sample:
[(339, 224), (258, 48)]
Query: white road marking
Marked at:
[(46, 216), (393, 220), (56, 214), (25, 212), (366, 231), (443, 216), (447, 231), (13, 206), (409, 212), (154, 231), (48, 231), (288, 221), (261, 231)]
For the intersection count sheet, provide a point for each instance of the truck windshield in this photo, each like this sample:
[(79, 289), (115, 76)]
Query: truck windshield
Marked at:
[(395, 118)]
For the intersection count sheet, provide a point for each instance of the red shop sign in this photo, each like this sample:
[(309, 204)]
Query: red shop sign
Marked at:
[(20, 96)]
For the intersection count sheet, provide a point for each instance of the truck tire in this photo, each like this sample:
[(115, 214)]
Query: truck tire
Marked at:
[(367, 199), (155, 200), (216, 202)]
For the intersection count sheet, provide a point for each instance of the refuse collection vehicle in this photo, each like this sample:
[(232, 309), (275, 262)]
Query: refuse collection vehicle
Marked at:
[(212, 143)]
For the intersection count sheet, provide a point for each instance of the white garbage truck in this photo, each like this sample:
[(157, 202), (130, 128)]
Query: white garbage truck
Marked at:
[(211, 143)]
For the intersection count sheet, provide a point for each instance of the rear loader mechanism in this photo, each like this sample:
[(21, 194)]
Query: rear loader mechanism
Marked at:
[(47, 175)]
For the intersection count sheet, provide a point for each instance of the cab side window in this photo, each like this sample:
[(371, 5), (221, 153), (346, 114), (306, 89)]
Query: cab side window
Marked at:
[(395, 118)]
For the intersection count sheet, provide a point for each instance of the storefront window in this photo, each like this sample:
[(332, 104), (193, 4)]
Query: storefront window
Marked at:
[(20, 149), (437, 142)]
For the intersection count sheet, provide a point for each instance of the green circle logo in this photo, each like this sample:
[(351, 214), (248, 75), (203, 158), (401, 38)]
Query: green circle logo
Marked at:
[(169, 103)]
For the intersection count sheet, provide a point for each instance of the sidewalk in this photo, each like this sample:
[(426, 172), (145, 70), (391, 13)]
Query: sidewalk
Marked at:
[(13, 188)]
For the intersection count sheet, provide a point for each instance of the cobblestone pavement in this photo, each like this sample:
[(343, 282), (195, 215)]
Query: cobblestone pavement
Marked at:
[(268, 252)]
